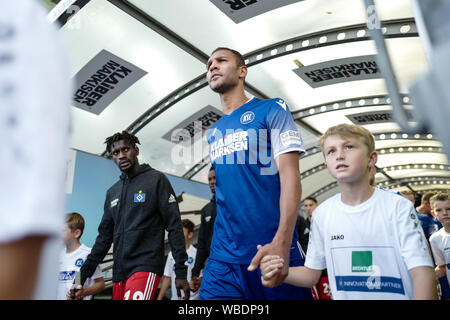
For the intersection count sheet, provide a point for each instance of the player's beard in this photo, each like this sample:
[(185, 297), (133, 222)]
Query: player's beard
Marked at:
[(223, 86)]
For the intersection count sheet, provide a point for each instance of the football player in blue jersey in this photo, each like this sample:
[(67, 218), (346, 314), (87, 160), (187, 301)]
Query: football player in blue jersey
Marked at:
[(254, 149)]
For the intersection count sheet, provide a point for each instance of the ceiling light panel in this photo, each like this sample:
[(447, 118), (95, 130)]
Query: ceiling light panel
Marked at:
[(280, 24), (410, 158)]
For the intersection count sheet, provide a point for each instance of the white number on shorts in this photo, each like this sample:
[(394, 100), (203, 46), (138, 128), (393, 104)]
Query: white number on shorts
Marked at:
[(138, 295)]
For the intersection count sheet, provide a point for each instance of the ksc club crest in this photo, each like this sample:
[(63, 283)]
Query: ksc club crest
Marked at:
[(247, 117)]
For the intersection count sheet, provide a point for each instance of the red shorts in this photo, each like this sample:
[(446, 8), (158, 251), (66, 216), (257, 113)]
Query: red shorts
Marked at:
[(322, 291), (140, 286)]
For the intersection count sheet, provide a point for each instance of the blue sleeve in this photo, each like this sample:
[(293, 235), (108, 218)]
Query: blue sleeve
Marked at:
[(284, 134)]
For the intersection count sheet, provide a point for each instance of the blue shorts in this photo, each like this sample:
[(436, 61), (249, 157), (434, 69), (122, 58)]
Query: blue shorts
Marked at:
[(445, 288), (228, 281)]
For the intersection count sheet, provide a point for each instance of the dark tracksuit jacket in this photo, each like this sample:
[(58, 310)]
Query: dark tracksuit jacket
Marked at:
[(208, 216), (137, 210)]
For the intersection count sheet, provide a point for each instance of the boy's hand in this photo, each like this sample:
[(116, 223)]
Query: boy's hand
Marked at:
[(271, 250), (75, 293), (271, 267), (195, 283)]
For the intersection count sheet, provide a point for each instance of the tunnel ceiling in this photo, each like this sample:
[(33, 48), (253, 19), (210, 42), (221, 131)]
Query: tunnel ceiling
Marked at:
[(289, 51)]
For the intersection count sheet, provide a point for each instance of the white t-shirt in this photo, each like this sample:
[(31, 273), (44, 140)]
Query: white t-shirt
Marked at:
[(440, 245), (69, 265), (169, 271), (34, 126), (368, 249)]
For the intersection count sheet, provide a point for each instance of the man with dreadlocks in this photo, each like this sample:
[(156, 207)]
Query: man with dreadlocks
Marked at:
[(138, 208)]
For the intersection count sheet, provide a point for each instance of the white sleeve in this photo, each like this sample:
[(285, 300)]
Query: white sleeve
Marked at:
[(437, 252), (284, 134), (412, 241), (315, 256), (168, 269)]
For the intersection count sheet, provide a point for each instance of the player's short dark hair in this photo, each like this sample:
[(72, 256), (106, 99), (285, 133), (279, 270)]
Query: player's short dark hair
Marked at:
[(239, 57), (311, 198), (188, 224), (124, 135), (211, 169)]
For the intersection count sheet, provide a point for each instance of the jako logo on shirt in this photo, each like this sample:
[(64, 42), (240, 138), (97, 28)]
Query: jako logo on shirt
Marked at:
[(247, 117), (362, 261), (79, 262)]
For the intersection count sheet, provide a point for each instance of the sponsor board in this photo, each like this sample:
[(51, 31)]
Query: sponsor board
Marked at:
[(193, 127), (241, 10), (340, 70), (102, 80), (374, 117)]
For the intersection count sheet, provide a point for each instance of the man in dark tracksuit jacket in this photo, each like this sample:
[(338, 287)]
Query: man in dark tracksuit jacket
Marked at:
[(208, 216), (138, 209)]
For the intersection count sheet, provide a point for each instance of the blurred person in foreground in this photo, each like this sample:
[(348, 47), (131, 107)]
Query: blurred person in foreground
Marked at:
[(34, 125)]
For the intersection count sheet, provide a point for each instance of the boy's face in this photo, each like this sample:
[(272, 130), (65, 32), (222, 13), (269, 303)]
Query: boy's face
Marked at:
[(347, 158), (187, 235), (69, 235), (442, 211), (310, 206)]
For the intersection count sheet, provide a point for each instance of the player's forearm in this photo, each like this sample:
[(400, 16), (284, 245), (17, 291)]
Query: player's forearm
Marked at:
[(424, 282), (302, 277), (289, 200)]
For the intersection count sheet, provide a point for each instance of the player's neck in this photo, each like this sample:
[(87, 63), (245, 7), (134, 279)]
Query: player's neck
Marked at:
[(188, 245), (232, 100), (355, 194), (72, 246)]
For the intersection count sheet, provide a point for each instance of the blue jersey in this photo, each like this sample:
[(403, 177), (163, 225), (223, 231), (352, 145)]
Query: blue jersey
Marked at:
[(243, 147), (429, 224)]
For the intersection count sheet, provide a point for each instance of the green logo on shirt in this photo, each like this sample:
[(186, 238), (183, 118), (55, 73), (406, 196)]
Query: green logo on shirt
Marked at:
[(362, 261)]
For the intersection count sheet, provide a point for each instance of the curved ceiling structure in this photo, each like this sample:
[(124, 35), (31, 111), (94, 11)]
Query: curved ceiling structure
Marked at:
[(171, 40)]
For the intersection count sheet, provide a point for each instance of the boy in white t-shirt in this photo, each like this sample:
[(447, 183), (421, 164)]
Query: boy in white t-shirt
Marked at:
[(169, 269), (370, 240), (71, 260), (440, 240)]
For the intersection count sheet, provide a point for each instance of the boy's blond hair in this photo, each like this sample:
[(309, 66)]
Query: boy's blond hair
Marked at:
[(75, 221), (441, 196), (345, 130)]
